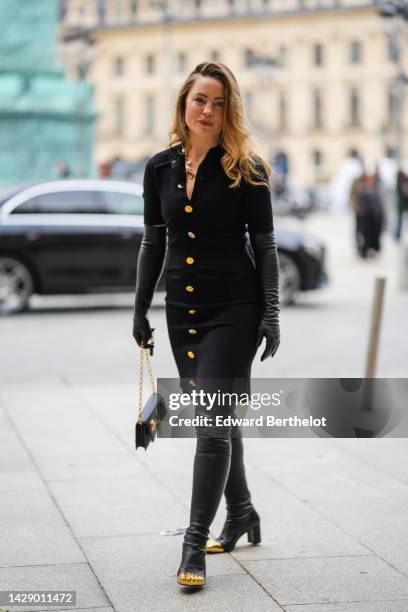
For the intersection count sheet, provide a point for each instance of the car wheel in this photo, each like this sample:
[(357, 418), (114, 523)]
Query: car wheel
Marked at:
[(16, 285), (289, 279)]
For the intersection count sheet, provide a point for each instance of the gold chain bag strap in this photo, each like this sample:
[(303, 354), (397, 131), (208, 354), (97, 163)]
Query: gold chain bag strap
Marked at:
[(149, 415)]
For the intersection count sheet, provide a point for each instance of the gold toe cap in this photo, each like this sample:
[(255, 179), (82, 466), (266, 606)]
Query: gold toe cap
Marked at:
[(213, 546), (190, 579)]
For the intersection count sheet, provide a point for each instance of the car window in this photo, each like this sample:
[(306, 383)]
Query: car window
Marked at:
[(117, 203), (64, 202), (8, 192)]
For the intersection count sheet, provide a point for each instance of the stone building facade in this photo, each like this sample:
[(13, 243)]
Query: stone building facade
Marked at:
[(316, 75)]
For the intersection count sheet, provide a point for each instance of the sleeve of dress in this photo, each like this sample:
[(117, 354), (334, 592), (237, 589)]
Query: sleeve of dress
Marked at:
[(258, 206), (151, 197)]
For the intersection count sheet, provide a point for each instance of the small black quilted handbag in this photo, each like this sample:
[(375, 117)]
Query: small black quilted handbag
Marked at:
[(148, 418)]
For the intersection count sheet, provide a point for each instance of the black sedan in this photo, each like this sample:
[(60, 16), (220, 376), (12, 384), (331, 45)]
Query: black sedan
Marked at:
[(83, 236)]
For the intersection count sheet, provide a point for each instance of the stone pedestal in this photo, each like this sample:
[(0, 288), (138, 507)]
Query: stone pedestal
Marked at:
[(46, 120)]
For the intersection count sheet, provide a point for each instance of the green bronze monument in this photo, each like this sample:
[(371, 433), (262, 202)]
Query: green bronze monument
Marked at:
[(46, 120)]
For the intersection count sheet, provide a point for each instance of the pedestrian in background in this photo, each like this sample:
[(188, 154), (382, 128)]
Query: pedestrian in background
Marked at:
[(206, 189), (402, 200), (105, 170), (367, 197), (63, 170), (356, 187)]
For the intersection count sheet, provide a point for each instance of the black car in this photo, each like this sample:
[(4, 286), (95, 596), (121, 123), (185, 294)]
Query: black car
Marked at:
[(83, 236)]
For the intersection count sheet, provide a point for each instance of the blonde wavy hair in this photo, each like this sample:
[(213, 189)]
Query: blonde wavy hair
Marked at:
[(240, 158)]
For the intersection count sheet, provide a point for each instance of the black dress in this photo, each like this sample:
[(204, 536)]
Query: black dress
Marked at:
[(213, 300)]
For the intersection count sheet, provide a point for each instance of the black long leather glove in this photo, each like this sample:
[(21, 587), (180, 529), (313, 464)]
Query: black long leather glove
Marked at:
[(149, 267), (267, 266)]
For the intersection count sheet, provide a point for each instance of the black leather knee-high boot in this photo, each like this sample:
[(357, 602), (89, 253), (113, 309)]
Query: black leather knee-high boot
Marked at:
[(211, 466), (241, 515), (236, 489)]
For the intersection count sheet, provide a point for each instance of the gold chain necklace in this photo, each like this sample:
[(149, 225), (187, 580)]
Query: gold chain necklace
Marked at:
[(189, 169)]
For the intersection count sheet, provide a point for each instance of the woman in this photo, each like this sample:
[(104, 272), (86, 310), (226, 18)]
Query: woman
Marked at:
[(206, 188), (367, 198)]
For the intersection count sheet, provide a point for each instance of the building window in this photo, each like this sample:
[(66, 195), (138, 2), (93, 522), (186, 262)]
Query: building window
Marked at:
[(119, 116), (390, 152), (133, 7), (317, 108), (393, 49), (182, 61), (391, 103), (282, 109), (355, 51), (354, 106), (149, 114), (215, 55), (249, 58), (354, 153), (101, 8), (318, 55), (150, 64), (317, 162), (317, 157), (248, 104), (197, 5), (283, 56), (118, 66), (118, 7)]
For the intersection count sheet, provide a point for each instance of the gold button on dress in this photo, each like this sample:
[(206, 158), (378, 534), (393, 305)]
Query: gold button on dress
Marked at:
[(191, 234), (190, 260), (188, 208), (189, 288), (191, 354)]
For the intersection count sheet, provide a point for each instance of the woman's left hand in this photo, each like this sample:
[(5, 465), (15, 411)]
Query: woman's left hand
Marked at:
[(268, 329), (267, 266)]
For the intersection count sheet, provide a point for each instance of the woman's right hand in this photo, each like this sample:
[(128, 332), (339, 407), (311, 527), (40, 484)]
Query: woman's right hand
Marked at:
[(149, 267), (142, 332)]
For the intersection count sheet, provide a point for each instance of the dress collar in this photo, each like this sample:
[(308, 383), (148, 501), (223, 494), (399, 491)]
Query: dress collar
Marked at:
[(217, 150)]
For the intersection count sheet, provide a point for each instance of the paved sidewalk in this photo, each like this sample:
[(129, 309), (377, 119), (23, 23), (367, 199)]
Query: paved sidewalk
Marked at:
[(81, 510)]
